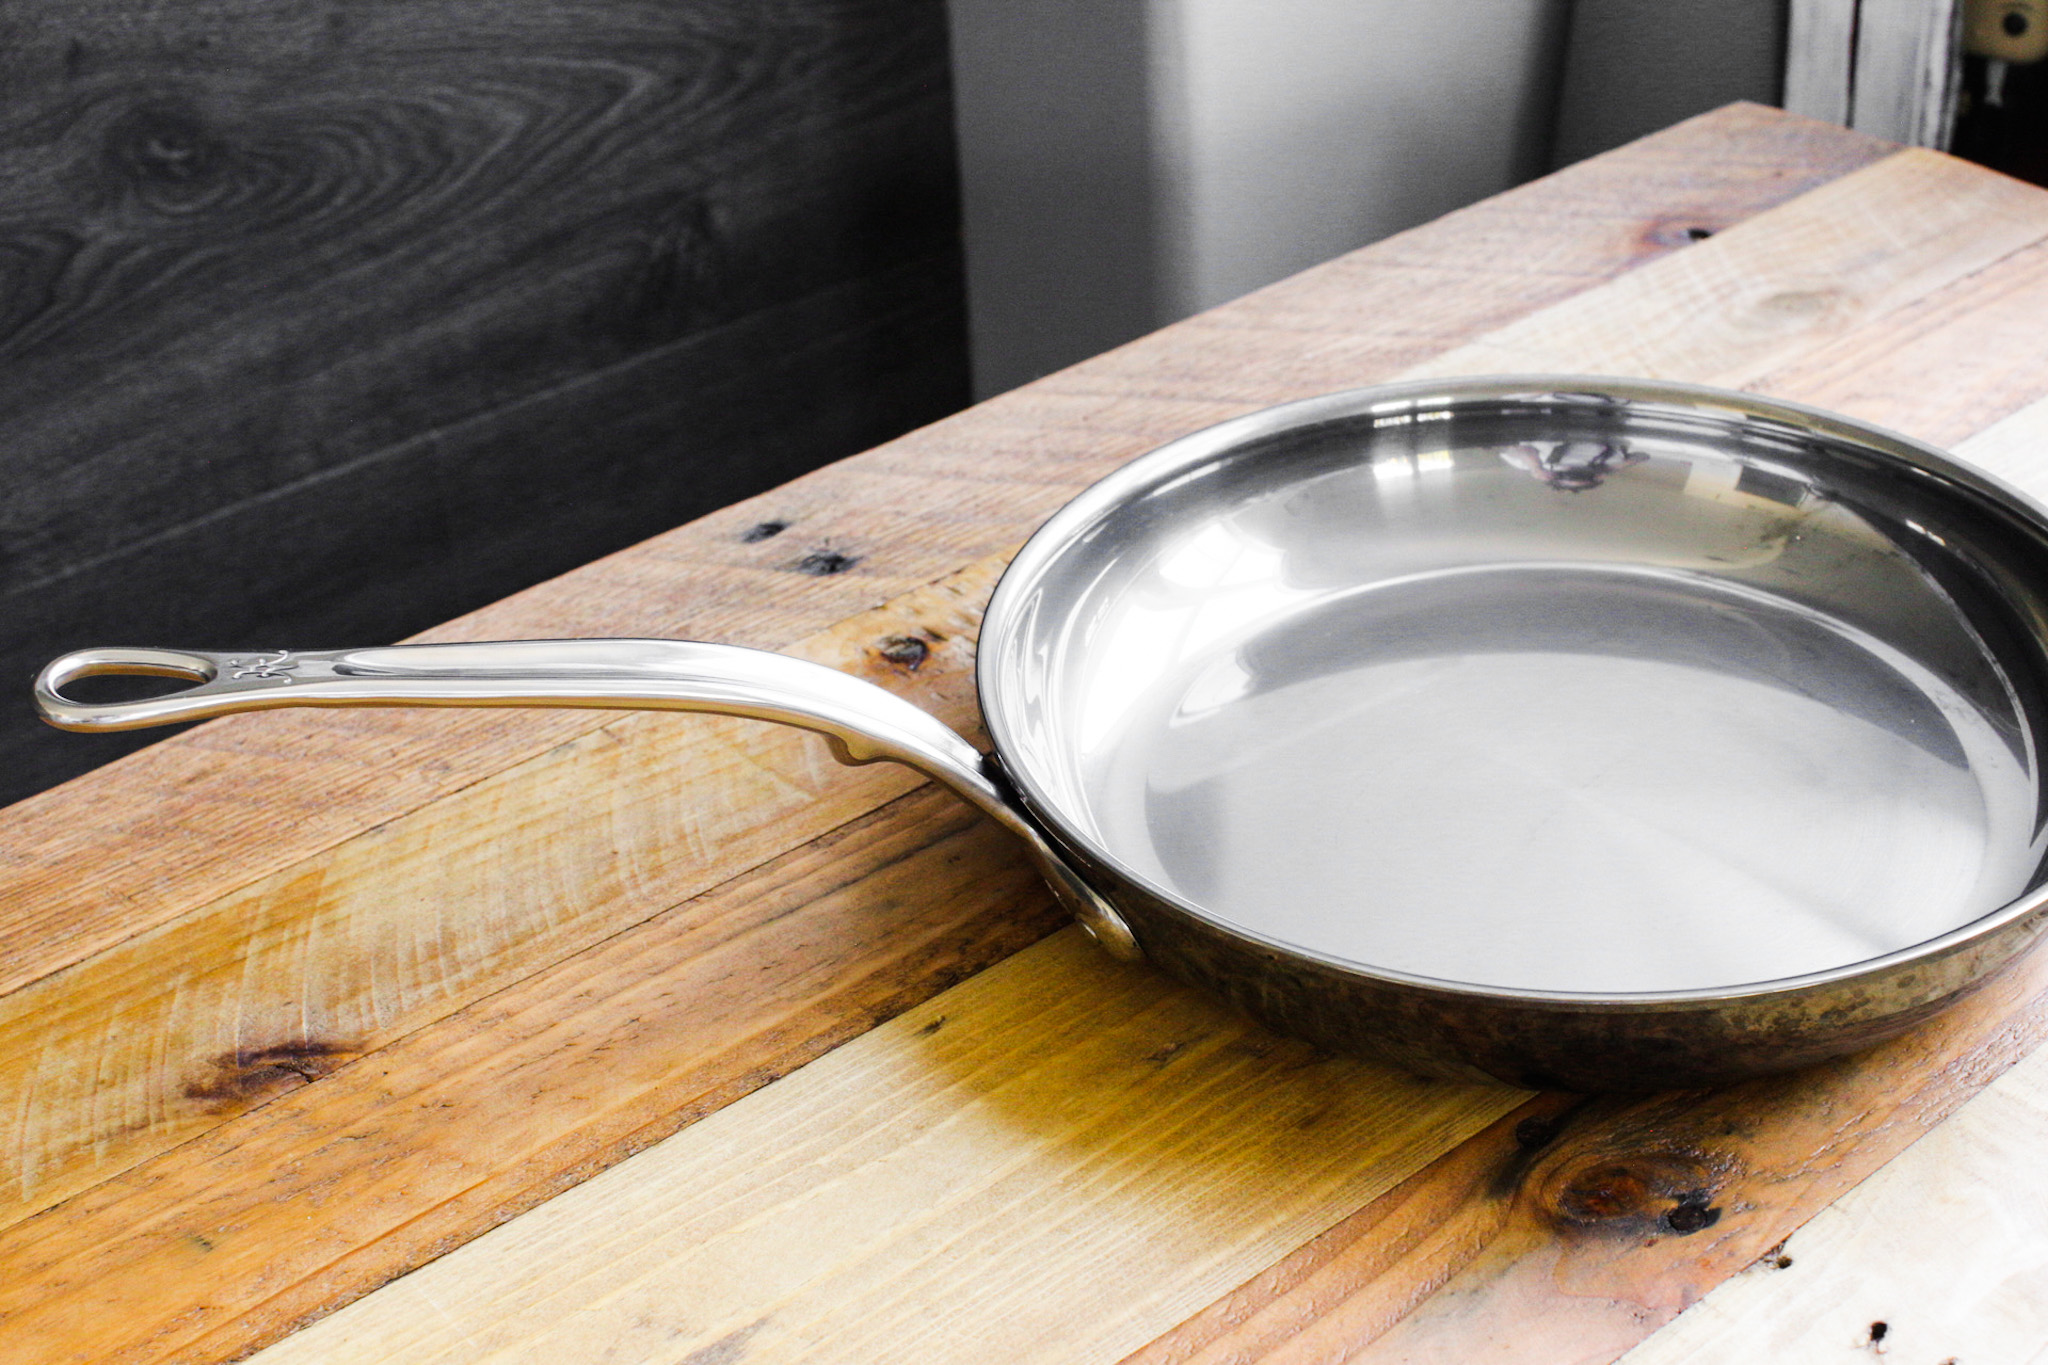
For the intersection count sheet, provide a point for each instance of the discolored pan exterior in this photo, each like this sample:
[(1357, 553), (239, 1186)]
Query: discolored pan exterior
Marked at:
[(1617, 1046)]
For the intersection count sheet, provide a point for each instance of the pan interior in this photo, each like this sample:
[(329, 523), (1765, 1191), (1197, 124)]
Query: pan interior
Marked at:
[(1612, 711)]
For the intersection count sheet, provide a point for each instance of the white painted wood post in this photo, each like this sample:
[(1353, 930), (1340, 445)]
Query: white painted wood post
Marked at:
[(1890, 68), (1820, 56)]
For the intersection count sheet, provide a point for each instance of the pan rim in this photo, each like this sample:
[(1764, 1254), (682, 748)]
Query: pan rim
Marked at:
[(1179, 457)]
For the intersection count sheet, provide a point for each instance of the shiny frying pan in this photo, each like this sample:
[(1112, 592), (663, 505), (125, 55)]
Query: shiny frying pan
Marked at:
[(1583, 733)]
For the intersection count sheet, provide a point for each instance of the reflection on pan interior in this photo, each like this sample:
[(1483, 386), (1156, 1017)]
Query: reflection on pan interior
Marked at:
[(1590, 774)]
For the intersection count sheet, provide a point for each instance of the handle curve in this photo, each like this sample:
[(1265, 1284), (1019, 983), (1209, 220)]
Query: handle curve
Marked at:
[(863, 723)]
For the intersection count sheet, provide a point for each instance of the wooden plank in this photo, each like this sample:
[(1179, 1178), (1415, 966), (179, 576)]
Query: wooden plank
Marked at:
[(1497, 1250), (188, 820), (1941, 1255), (562, 486), (253, 250), (1771, 290), (1033, 1167), (1492, 1253), (1985, 335)]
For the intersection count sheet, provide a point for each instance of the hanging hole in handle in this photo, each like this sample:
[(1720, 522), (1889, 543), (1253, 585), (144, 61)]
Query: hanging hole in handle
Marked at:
[(112, 688), (89, 681)]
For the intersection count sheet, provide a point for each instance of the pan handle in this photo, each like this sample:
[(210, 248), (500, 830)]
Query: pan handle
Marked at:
[(863, 723)]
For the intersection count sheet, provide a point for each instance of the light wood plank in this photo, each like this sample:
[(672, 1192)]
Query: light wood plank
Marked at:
[(1967, 355), (1764, 292), (1040, 1165), (1556, 1238), (1940, 1256)]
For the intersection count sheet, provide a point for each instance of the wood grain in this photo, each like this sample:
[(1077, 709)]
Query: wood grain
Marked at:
[(1032, 1167), (443, 1132), (1767, 292), (281, 280), (1985, 335), (1593, 1224)]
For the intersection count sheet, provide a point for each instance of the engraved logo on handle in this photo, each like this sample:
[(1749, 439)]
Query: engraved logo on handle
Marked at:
[(279, 667)]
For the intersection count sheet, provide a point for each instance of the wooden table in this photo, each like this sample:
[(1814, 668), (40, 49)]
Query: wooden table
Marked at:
[(576, 1036)]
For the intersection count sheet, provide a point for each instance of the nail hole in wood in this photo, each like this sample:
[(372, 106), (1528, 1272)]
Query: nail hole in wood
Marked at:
[(906, 651), (1691, 1213), (764, 530), (824, 563)]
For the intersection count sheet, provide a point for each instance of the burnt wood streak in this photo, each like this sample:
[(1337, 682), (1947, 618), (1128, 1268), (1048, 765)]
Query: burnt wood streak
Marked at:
[(331, 320)]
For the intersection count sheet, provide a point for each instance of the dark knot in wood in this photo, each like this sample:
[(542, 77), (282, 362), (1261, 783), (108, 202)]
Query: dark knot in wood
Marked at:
[(1669, 233), (1636, 1194), (245, 1077), (905, 651), (824, 563), (163, 144)]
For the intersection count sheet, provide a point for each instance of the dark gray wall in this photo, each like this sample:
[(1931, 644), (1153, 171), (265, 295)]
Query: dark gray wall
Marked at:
[(322, 321), (1056, 112), (1631, 67)]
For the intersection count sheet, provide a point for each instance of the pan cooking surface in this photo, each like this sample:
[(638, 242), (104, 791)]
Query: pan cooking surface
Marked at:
[(1570, 778), (1585, 696)]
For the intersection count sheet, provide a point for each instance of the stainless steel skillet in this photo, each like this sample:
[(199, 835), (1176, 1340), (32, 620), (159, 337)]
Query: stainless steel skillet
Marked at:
[(1577, 732)]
